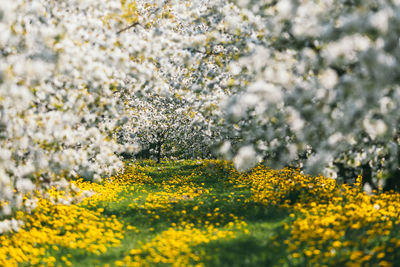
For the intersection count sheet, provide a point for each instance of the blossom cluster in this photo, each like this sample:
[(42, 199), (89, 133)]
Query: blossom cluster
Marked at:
[(318, 88)]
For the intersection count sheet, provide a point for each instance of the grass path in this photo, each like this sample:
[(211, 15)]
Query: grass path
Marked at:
[(204, 213), (189, 213)]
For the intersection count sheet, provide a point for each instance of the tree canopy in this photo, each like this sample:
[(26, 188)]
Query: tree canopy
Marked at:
[(311, 84)]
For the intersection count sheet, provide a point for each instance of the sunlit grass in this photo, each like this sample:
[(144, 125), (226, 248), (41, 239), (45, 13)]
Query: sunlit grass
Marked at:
[(204, 213)]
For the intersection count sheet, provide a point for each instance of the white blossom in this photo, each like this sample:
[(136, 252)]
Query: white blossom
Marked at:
[(245, 158)]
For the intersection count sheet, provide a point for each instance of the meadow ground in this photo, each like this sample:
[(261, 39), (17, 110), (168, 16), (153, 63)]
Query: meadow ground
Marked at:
[(184, 213)]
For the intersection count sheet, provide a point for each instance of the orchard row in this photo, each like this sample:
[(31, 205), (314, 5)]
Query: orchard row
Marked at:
[(303, 83)]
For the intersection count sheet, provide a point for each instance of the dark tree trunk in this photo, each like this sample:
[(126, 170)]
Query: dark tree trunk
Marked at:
[(158, 151)]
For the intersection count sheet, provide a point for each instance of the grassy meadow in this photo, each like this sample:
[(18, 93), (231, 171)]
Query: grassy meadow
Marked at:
[(204, 213)]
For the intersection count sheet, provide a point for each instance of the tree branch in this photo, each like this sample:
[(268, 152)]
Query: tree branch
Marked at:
[(127, 28)]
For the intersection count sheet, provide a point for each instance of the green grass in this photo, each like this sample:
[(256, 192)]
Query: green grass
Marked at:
[(252, 249)]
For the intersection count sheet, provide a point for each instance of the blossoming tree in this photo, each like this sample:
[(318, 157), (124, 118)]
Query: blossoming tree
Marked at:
[(320, 88), (71, 73), (306, 83)]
